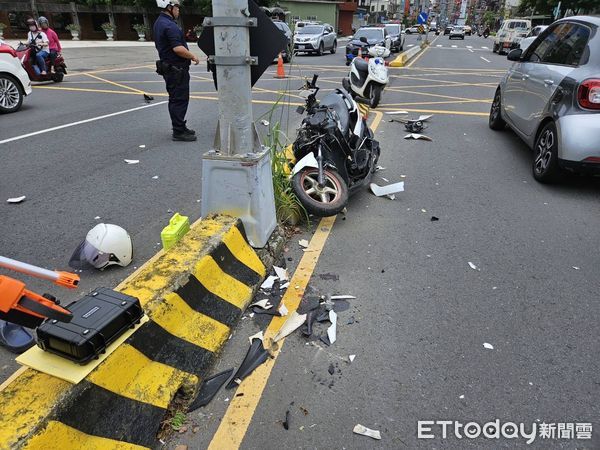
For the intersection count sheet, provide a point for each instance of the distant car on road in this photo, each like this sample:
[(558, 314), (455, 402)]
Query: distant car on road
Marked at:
[(447, 29), (14, 81), (457, 32), (551, 97), (373, 35), (394, 31), (315, 39), (535, 32), (415, 29), (286, 53), (468, 30)]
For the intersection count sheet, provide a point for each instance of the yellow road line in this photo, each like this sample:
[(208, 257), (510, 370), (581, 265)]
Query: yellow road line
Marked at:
[(99, 91), (116, 69), (129, 88), (238, 416)]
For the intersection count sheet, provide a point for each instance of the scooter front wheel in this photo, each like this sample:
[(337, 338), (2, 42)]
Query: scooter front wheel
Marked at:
[(375, 95), (322, 201)]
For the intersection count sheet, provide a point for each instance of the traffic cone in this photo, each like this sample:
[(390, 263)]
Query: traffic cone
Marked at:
[(280, 69), (360, 52)]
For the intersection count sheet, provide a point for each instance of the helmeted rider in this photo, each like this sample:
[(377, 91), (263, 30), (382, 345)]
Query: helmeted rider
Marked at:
[(38, 40), (53, 42)]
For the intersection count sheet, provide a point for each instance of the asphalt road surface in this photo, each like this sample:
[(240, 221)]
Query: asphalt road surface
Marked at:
[(422, 314)]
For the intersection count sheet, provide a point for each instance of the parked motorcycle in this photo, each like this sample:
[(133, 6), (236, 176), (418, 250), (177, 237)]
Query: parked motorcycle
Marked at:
[(24, 53), (335, 150), (367, 79)]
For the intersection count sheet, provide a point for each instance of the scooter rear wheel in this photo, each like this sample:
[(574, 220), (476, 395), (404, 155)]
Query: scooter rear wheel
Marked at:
[(324, 201)]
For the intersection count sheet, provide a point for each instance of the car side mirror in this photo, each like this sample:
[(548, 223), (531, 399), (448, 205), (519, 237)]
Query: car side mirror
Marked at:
[(364, 40), (515, 54)]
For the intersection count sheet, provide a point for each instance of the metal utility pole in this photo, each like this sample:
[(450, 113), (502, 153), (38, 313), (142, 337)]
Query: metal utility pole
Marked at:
[(236, 173)]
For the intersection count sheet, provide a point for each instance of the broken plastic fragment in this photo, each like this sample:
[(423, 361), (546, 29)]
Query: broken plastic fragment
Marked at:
[(283, 311), (265, 122), (281, 273), (332, 330), (391, 196), (264, 304), (142, 146), (155, 177), (461, 396), (351, 358), (97, 218), (255, 356), (378, 169), (488, 346), (16, 199), (209, 389), (303, 243), (308, 161), (473, 266), (417, 136), (293, 322), (132, 161), (575, 267), (380, 191), (286, 422), (425, 118), (268, 283), (260, 335), (284, 285), (360, 429), (342, 297), (393, 113), (434, 219)]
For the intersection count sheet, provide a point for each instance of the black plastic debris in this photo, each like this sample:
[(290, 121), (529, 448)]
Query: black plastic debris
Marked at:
[(311, 316), (434, 219), (255, 356), (148, 98), (209, 389), (329, 276), (268, 312), (286, 422), (323, 317), (331, 369)]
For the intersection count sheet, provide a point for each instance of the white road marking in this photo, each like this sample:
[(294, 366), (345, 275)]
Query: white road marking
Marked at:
[(470, 50), (410, 45), (487, 48), (469, 46), (439, 45), (81, 122), (486, 60), (454, 46)]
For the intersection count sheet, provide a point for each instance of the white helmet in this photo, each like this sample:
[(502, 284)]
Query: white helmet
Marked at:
[(165, 3), (105, 245)]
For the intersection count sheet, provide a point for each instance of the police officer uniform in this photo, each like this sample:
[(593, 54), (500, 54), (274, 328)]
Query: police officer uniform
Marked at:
[(175, 70)]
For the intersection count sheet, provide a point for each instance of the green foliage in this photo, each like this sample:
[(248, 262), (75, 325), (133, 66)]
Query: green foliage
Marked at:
[(489, 19), (73, 27), (178, 420), (546, 7)]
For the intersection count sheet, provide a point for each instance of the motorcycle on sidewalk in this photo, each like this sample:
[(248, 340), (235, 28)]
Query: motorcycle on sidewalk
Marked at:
[(368, 78), (335, 150), (25, 55)]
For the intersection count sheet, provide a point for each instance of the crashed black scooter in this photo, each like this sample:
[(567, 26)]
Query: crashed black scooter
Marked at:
[(335, 150)]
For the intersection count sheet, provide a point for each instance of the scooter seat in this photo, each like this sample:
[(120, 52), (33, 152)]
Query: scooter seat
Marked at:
[(335, 102), (361, 65)]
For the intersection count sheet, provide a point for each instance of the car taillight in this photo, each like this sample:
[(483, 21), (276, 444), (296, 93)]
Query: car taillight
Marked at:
[(8, 49), (588, 94), (592, 159)]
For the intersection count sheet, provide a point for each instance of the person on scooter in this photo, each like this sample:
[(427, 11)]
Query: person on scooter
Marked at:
[(39, 43), (53, 42)]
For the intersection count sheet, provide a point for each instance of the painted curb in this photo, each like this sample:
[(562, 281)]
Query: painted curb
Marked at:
[(194, 293), (404, 57)]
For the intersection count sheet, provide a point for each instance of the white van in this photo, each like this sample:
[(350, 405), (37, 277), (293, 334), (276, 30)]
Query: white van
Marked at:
[(510, 33)]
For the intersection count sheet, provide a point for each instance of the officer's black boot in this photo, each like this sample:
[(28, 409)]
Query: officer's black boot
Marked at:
[(183, 136)]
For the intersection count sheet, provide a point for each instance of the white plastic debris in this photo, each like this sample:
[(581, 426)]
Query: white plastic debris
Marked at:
[(488, 346), (155, 177), (265, 122), (380, 191), (132, 161), (361, 429), (394, 113), (473, 266), (282, 273), (379, 169), (142, 146), (332, 330), (425, 118), (260, 335), (418, 136), (575, 267), (391, 196), (342, 297), (264, 304), (16, 199), (97, 218), (293, 322), (284, 285), (461, 397), (385, 179), (351, 357), (268, 283), (283, 311), (303, 243), (308, 161)]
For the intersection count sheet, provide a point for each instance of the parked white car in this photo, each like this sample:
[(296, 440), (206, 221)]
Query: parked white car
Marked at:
[(526, 42), (315, 39), (14, 81)]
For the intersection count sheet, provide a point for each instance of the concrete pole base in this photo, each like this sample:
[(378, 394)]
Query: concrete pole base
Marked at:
[(241, 186)]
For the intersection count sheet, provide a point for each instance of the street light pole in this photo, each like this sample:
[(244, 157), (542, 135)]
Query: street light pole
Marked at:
[(236, 173)]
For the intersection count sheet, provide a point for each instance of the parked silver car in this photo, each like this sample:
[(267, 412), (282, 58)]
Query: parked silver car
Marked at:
[(551, 97), (315, 39)]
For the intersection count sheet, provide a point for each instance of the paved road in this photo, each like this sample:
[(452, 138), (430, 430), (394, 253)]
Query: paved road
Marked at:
[(422, 314)]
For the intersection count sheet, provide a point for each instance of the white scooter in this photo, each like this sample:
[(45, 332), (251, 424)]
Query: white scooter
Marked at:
[(368, 79)]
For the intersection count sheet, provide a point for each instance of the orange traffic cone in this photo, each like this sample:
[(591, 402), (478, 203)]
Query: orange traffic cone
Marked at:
[(280, 69), (360, 53)]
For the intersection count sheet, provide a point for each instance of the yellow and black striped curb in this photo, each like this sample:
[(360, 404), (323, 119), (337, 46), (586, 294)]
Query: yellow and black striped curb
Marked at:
[(404, 57), (193, 294)]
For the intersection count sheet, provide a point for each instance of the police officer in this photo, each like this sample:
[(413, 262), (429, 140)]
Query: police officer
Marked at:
[(174, 66)]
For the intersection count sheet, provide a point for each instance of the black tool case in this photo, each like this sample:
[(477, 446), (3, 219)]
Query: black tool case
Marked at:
[(98, 319)]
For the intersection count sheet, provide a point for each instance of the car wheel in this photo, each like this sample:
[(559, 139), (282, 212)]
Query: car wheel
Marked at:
[(334, 48), (495, 121), (321, 49), (545, 151), (494, 48), (324, 201), (11, 96)]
